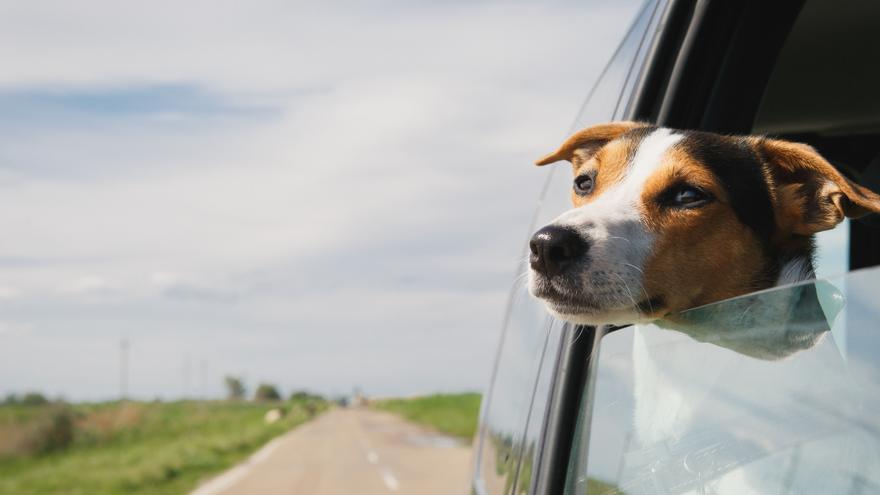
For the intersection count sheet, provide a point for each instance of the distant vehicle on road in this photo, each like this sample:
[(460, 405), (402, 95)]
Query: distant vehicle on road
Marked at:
[(559, 414)]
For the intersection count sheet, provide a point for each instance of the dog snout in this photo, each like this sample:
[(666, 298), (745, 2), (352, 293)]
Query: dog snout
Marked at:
[(555, 248)]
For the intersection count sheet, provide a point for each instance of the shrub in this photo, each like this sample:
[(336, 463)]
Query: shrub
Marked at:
[(34, 399), (305, 396), (266, 392), (53, 431)]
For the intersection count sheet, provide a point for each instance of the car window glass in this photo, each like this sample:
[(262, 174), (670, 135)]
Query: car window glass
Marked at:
[(502, 427), (774, 392), (613, 87), (538, 410), (832, 251)]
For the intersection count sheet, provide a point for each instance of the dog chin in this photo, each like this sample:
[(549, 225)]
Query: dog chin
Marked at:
[(598, 316), (582, 309)]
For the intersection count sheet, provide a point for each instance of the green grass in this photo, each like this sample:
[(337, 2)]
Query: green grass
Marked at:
[(156, 448), (454, 414)]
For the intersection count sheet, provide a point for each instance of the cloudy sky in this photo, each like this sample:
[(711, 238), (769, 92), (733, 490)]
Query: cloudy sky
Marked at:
[(317, 195)]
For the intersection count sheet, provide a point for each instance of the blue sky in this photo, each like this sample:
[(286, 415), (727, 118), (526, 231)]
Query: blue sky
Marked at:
[(321, 196)]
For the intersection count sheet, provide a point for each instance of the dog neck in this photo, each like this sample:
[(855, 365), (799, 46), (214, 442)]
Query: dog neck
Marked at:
[(767, 325), (794, 270), (795, 261)]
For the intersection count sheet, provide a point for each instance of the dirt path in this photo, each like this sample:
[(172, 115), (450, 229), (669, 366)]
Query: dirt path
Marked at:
[(346, 451)]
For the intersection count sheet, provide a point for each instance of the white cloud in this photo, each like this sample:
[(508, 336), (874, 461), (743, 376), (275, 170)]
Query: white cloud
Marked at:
[(91, 285), (360, 207), (9, 292), (181, 287), (10, 329)]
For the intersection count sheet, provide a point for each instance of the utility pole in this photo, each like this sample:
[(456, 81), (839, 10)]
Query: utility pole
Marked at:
[(123, 369)]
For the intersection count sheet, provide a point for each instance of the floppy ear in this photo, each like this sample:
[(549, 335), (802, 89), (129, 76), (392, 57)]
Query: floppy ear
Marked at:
[(810, 194), (590, 139)]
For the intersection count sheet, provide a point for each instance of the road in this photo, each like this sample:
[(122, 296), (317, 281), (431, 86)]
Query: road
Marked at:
[(351, 451)]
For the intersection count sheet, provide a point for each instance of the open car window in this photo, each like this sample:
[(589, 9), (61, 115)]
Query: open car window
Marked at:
[(773, 392)]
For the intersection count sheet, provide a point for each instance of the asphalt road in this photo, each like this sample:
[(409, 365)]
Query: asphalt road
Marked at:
[(351, 451)]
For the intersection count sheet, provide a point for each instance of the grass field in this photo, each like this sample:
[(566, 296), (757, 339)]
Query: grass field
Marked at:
[(454, 414), (133, 447)]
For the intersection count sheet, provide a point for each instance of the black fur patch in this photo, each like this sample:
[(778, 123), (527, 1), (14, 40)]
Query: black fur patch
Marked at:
[(740, 171)]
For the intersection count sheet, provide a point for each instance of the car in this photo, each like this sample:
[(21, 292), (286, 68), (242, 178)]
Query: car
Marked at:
[(560, 414)]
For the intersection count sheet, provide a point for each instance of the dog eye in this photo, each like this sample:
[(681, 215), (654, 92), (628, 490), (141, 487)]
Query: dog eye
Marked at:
[(689, 197), (583, 185)]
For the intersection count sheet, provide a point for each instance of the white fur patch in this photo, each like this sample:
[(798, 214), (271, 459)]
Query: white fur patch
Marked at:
[(796, 270), (644, 164)]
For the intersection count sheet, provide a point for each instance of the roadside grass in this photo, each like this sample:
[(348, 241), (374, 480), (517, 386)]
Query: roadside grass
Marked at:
[(454, 414), (137, 447)]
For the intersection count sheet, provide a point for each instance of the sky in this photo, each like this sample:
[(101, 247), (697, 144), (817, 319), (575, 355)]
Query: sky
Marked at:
[(318, 195)]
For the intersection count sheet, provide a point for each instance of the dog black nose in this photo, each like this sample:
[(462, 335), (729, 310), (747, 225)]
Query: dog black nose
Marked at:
[(555, 248)]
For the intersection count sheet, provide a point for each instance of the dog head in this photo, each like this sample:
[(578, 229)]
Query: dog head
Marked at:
[(666, 220)]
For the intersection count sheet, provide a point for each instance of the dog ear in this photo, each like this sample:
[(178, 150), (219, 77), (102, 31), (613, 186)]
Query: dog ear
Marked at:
[(590, 139), (810, 194)]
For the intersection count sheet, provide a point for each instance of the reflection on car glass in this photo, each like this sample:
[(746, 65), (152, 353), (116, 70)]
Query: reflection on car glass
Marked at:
[(765, 325), (774, 392)]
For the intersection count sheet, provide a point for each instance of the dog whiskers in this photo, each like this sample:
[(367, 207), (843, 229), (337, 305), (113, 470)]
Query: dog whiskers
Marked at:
[(617, 237), (644, 291), (635, 268), (629, 292)]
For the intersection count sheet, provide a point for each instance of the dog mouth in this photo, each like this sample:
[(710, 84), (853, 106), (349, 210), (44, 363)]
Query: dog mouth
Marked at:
[(564, 302), (574, 303)]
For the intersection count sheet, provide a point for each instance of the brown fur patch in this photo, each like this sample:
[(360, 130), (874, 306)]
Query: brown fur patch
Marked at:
[(588, 140), (700, 255), (608, 166), (811, 194)]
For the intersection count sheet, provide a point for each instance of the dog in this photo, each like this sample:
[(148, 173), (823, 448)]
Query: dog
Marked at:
[(666, 220)]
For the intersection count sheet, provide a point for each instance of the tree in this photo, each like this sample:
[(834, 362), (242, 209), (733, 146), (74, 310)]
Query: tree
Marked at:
[(34, 399), (235, 389), (266, 392)]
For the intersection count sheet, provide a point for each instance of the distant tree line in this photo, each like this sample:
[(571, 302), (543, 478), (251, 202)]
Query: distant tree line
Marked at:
[(26, 399), (265, 392), (235, 390)]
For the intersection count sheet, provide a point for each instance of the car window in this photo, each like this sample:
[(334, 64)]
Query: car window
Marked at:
[(773, 392)]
